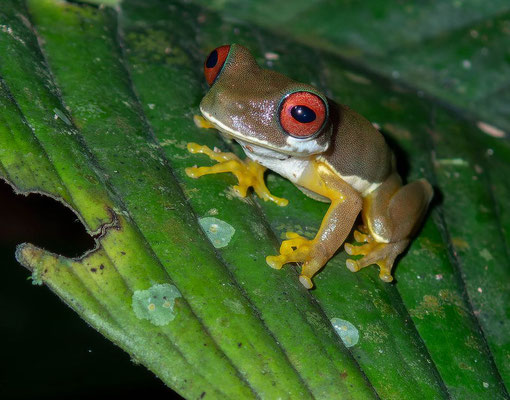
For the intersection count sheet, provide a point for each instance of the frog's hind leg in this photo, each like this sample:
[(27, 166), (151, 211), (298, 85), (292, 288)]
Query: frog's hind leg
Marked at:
[(392, 214)]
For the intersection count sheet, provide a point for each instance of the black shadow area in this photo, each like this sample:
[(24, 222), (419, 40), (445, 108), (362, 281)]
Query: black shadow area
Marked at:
[(47, 351)]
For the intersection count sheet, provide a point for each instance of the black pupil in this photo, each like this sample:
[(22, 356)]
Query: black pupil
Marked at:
[(303, 114), (212, 59)]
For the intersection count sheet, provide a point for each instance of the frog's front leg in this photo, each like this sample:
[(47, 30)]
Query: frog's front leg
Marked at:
[(335, 227), (248, 172)]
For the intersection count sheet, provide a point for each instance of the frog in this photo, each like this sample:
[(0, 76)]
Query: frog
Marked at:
[(330, 152)]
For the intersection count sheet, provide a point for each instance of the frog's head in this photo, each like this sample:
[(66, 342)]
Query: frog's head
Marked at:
[(263, 107)]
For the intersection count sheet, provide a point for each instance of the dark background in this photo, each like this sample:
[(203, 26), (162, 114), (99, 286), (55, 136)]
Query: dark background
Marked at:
[(47, 351)]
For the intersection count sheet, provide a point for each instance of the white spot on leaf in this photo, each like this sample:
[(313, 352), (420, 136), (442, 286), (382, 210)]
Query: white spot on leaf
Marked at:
[(219, 232), (490, 130), (486, 255), (271, 56), (459, 162), (347, 331), (156, 304)]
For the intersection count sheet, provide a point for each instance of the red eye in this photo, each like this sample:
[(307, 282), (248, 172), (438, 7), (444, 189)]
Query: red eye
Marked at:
[(302, 114), (214, 63)]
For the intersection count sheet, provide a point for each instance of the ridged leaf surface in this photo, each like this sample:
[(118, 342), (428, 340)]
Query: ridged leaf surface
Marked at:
[(96, 109)]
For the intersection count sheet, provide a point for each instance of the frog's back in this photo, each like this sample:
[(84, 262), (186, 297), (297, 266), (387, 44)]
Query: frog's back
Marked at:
[(358, 151)]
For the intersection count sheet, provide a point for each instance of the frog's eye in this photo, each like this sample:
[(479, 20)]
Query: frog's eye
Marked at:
[(302, 114), (214, 63)]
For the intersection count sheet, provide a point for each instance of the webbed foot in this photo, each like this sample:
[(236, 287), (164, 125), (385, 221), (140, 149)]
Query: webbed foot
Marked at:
[(299, 249), (248, 172), (373, 252)]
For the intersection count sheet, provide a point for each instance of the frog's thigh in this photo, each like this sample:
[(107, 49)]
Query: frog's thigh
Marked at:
[(392, 212)]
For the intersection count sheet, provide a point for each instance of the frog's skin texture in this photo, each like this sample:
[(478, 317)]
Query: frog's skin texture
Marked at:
[(335, 155)]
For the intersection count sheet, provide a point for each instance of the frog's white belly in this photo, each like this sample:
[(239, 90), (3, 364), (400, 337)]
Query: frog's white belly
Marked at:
[(292, 168), (289, 167)]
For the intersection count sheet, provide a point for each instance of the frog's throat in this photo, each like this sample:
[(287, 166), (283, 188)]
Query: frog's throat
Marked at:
[(290, 150)]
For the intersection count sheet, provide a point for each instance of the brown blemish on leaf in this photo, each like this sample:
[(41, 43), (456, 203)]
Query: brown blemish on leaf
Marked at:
[(473, 343), (429, 305), (434, 305), (465, 366), (374, 333), (384, 307), (450, 298), (460, 243)]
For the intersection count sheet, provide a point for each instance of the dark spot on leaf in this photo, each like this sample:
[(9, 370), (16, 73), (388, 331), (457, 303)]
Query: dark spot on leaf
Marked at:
[(202, 395), (93, 269)]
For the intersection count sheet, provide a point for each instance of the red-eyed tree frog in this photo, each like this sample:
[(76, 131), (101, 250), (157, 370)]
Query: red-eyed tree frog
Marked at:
[(326, 149)]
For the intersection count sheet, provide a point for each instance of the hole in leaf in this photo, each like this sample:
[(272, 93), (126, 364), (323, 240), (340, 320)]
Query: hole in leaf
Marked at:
[(71, 360), (42, 221)]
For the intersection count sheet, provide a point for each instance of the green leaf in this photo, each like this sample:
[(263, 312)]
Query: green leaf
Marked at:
[(96, 110)]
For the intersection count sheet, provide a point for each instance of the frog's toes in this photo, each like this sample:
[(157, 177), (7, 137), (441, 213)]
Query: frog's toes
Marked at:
[(194, 148), (242, 190), (195, 172), (295, 249), (255, 174), (382, 254), (301, 250), (279, 201), (275, 262), (362, 237), (384, 271), (201, 122), (294, 243), (352, 265), (385, 275), (363, 249), (306, 281)]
